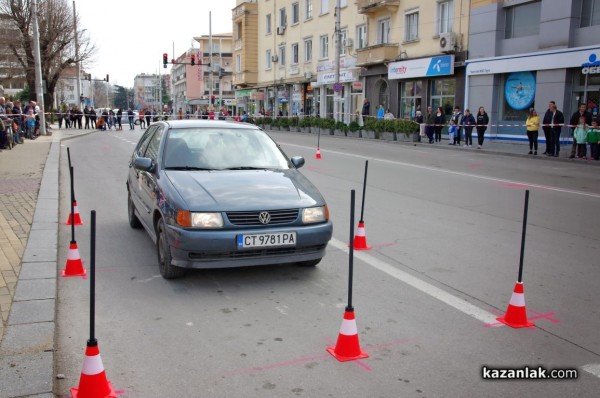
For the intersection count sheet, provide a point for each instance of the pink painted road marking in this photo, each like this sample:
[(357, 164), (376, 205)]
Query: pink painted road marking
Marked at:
[(292, 362), (538, 315), (513, 185), (475, 165)]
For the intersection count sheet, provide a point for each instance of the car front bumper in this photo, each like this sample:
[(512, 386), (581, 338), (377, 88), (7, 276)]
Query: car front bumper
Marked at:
[(218, 248)]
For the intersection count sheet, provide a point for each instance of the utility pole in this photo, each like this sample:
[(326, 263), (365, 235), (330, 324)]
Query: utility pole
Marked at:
[(78, 91), (38, 67), (337, 87)]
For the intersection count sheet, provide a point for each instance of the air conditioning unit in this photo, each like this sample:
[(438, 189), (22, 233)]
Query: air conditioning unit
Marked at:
[(280, 30), (308, 75), (448, 42), (274, 58), (348, 43)]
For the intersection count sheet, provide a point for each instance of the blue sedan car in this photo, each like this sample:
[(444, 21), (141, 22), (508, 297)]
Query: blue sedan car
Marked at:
[(216, 194)]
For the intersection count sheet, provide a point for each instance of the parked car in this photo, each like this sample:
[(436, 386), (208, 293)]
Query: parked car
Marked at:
[(215, 194)]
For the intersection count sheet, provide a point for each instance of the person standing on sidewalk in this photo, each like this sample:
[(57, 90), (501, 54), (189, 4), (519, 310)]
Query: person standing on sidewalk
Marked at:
[(533, 125), (468, 122), (457, 116), (86, 115), (429, 124), (482, 123), (548, 129), (574, 121), (556, 122), (440, 122), (130, 116)]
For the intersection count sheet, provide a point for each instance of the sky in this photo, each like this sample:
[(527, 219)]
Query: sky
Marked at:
[(131, 36)]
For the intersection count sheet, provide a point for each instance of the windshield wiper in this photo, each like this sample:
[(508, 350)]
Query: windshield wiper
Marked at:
[(244, 168), (186, 168)]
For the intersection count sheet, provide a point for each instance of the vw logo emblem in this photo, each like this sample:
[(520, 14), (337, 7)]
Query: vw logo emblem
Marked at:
[(264, 217)]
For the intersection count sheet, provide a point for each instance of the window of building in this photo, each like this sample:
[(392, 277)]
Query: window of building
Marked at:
[(268, 59), (238, 63), (324, 47), (361, 36), (442, 94), (343, 38), (268, 24), (281, 56), (445, 16), (238, 31), (308, 9), (295, 55), (307, 50), (590, 13), (282, 17), (412, 26), (295, 13), (383, 31), (522, 20), (324, 6), (343, 3)]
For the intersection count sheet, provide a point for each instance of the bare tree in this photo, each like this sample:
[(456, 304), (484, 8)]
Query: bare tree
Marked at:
[(57, 34)]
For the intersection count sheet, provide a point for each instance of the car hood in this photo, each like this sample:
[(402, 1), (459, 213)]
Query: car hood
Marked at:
[(233, 190)]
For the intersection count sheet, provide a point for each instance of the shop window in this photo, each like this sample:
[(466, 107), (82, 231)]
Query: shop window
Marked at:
[(590, 13), (411, 99), (522, 20), (442, 94), (383, 95), (518, 95)]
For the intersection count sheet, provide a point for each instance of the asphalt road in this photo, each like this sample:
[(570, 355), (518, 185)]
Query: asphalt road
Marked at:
[(445, 227)]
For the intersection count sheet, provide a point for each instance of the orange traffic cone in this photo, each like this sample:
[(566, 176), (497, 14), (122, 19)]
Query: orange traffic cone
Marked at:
[(347, 347), (74, 266), (75, 217), (93, 382), (360, 239), (516, 314), (318, 154)]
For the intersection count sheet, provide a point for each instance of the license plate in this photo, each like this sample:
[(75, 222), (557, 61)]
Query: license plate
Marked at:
[(266, 240)]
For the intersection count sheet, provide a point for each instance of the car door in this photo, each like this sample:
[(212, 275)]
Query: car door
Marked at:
[(148, 185), (136, 177)]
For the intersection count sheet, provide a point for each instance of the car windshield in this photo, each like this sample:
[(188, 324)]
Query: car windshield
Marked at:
[(221, 149)]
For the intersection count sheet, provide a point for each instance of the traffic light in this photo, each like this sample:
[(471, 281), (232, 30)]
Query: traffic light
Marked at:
[(212, 99), (221, 72), (193, 57), (107, 77), (165, 60)]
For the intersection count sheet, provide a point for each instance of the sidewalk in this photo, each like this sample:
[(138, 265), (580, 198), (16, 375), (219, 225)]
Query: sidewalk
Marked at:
[(29, 194)]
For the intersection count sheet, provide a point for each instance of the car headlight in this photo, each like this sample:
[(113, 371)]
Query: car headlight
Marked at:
[(199, 220), (315, 214)]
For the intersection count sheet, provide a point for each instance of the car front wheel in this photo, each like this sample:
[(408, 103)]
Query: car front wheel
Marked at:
[(167, 270)]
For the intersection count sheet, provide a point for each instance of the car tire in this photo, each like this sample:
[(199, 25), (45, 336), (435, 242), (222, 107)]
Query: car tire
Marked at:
[(167, 270), (134, 221), (310, 263)]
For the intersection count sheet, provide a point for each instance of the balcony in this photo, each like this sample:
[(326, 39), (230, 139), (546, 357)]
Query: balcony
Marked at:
[(370, 6), (377, 54), (245, 8), (245, 78)]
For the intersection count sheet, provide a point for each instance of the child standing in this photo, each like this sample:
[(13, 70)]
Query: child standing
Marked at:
[(580, 135), (593, 138), (452, 131)]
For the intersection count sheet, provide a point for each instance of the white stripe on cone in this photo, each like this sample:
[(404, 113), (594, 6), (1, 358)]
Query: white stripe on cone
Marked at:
[(92, 365), (360, 231), (517, 299), (73, 254), (348, 327)]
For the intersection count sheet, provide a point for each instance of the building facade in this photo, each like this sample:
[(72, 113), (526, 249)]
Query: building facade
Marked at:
[(385, 50), (147, 92), (523, 54)]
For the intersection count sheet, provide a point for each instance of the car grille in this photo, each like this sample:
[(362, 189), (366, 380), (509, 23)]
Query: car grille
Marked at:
[(250, 253), (251, 218)]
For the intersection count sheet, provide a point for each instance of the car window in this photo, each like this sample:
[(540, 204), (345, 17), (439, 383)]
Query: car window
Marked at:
[(223, 148), (152, 151), (143, 143)]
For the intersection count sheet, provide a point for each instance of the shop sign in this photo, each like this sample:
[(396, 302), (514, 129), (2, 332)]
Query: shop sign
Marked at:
[(293, 70), (345, 63), (346, 76), (229, 101), (435, 66), (584, 58), (357, 85), (243, 93), (258, 96)]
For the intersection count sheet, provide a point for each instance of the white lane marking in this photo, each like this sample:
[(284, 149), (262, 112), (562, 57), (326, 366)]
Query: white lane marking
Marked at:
[(592, 368), (462, 174), (435, 292)]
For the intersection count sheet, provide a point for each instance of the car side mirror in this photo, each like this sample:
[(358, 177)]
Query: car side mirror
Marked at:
[(143, 164), (297, 161)]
